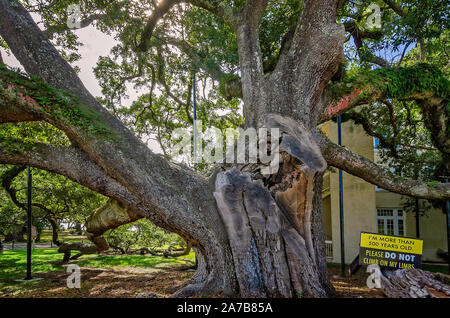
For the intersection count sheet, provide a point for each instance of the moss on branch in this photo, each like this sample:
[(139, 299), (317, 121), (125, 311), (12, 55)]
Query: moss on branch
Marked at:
[(58, 105)]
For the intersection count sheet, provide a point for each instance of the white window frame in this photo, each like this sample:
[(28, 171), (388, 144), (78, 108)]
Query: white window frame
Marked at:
[(394, 217)]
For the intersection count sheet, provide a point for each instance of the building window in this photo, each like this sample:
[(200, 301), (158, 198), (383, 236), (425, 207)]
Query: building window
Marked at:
[(390, 222)]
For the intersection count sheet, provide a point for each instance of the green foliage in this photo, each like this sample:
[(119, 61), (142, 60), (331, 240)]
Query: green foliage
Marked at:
[(67, 201), (419, 79), (142, 233), (61, 105)]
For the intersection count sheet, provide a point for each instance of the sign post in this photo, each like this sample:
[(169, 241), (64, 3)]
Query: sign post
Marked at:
[(29, 226), (341, 203), (447, 212), (194, 97), (393, 252)]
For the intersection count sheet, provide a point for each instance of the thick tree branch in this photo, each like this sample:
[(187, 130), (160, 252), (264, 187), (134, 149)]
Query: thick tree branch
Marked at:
[(376, 174), (358, 96), (163, 7), (68, 161), (250, 58), (35, 52), (14, 105), (253, 12), (316, 51)]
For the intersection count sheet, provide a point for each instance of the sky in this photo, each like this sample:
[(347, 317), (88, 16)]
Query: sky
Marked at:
[(95, 44)]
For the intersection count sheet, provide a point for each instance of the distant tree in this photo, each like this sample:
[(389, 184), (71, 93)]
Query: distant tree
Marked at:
[(142, 233), (56, 200)]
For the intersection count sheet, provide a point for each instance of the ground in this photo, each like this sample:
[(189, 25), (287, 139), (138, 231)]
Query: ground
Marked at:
[(101, 275), (127, 276)]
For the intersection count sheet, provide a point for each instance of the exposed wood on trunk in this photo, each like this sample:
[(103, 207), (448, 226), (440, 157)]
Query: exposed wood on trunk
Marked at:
[(229, 197), (298, 141), (268, 252)]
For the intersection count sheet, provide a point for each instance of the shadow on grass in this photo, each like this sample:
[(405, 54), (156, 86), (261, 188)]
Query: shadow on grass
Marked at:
[(13, 262)]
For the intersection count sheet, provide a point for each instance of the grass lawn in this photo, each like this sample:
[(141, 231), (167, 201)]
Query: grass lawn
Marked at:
[(13, 266), (65, 236)]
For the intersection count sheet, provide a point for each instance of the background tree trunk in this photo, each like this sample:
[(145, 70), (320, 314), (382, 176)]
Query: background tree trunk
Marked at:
[(55, 231)]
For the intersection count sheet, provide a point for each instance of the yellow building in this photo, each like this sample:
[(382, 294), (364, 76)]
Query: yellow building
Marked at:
[(371, 209)]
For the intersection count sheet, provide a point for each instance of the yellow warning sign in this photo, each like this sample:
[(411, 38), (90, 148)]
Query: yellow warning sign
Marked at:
[(391, 243)]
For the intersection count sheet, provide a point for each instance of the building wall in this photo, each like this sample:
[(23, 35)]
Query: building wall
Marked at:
[(361, 201), (432, 225), (327, 224), (359, 196)]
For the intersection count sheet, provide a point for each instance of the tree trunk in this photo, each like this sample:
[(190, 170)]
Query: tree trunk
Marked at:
[(274, 222), (55, 231), (78, 229)]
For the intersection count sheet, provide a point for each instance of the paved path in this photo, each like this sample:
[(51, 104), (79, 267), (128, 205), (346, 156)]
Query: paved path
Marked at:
[(19, 246)]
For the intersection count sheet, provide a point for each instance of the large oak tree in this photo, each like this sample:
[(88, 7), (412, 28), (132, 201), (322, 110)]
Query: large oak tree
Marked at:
[(254, 235)]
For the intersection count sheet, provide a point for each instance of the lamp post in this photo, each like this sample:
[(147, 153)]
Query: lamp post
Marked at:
[(29, 193), (194, 96), (447, 208), (29, 278), (341, 203)]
